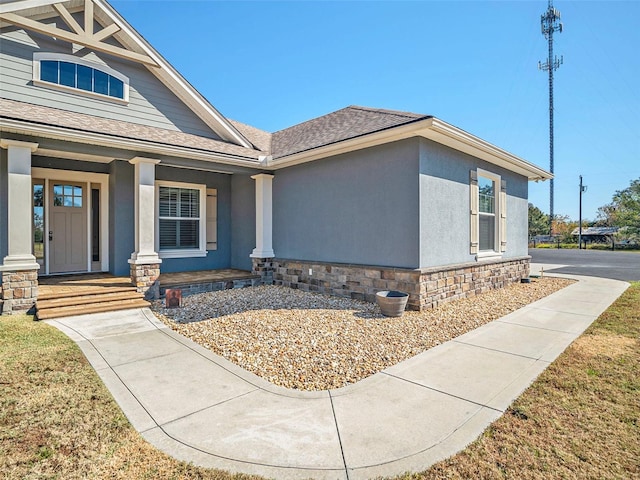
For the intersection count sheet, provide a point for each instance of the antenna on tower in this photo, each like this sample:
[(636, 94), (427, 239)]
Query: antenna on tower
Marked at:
[(550, 23)]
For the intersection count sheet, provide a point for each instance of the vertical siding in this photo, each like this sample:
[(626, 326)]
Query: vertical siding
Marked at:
[(243, 221), (444, 206), (150, 102), (360, 207)]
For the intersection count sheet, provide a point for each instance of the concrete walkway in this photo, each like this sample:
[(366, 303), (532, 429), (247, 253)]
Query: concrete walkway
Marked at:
[(198, 407)]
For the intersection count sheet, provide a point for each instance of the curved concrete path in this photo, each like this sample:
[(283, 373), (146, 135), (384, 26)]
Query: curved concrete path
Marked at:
[(198, 407)]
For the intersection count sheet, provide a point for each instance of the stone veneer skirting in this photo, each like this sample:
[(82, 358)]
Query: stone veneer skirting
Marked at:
[(427, 287), (18, 291), (145, 278)]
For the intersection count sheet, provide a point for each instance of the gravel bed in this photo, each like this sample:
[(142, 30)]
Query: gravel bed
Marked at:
[(309, 341)]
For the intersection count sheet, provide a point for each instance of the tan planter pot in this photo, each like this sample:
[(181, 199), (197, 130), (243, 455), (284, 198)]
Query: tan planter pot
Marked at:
[(392, 302)]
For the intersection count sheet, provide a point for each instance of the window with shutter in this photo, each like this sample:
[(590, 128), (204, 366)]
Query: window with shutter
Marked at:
[(488, 213), (181, 222)]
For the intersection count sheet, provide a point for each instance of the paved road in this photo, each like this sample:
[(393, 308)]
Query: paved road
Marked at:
[(593, 263)]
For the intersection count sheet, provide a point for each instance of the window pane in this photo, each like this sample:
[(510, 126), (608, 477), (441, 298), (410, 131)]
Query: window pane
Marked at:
[(49, 71), (487, 195), (100, 82), (77, 202), (189, 233), (189, 203), (168, 202), (168, 234), (57, 189), (68, 190), (68, 201), (38, 194), (68, 74), (116, 87), (85, 78), (487, 232), (77, 191)]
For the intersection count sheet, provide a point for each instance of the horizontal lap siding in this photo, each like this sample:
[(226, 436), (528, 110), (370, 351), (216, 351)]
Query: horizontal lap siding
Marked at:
[(150, 102)]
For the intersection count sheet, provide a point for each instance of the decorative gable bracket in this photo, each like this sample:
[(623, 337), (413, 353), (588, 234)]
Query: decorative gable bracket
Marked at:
[(80, 34)]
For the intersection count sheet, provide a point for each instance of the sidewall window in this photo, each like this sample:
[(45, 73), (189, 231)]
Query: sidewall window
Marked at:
[(489, 188)]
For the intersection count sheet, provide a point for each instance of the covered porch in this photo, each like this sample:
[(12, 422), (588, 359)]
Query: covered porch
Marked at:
[(80, 294)]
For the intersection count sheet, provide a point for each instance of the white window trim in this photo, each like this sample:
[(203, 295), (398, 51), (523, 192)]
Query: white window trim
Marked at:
[(39, 56), (495, 252), (183, 253)]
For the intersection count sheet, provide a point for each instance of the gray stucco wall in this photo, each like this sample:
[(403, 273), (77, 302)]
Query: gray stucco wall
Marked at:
[(444, 206), (215, 259), (243, 221), (360, 207), (121, 216), (4, 220), (150, 102)]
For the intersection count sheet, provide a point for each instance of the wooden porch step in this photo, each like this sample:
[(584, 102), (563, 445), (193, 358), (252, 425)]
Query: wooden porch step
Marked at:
[(100, 307), (81, 292), (87, 298)]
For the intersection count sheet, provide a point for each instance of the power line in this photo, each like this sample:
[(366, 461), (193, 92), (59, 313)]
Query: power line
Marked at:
[(550, 23)]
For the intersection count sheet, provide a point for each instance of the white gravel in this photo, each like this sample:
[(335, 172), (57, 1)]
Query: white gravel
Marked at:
[(309, 341)]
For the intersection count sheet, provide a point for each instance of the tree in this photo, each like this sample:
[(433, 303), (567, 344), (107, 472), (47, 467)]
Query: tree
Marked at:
[(538, 221), (624, 209)]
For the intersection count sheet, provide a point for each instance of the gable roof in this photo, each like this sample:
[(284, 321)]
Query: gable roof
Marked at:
[(28, 13), (350, 122), (354, 128)]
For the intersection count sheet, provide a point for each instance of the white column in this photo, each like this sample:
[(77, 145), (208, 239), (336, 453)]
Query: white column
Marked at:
[(19, 203), (264, 243), (145, 211)]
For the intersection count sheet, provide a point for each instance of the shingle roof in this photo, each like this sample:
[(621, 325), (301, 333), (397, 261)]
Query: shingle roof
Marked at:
[(350, 122), (12, 109), (259, 138)]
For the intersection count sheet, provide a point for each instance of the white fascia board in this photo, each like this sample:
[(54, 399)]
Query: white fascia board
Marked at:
[(454, 137), (174, 81), (59, 133), (430, 128), (350, 145)]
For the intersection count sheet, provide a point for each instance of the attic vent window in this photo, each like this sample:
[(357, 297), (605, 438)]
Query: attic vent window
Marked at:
[(71, 73)]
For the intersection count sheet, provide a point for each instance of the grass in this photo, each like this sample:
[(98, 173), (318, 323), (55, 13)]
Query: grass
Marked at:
[(580, 419)]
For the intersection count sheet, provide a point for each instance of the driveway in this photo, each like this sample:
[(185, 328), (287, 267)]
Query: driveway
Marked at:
[(595, 263)]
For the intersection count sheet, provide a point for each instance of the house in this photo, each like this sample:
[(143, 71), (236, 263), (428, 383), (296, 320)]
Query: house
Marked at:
[(111, 161)]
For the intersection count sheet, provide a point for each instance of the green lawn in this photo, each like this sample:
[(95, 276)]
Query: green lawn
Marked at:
[(580, 419)]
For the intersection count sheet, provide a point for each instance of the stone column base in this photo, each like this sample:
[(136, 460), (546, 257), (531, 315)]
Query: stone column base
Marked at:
[(19, 291), (264, 268), (145, 278)]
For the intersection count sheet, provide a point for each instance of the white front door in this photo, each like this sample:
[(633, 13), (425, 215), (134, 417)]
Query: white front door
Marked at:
[(67, 233)]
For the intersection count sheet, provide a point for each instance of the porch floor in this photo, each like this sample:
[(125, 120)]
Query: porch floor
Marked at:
[(79, 294), (168, 280)]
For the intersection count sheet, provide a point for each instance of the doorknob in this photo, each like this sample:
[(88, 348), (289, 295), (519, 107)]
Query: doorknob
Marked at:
[(51, 236)]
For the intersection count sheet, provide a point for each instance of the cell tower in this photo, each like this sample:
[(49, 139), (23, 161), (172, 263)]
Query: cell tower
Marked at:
[(550, 23)]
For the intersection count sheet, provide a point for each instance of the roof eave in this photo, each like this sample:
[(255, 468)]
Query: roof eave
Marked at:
[(136, 146), (430, 128)]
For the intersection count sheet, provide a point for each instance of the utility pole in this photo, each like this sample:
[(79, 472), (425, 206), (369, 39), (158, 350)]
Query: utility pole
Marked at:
[(583, 188), (550, 23)]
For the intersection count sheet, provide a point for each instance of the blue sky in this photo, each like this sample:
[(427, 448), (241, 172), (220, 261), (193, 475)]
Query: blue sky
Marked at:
[(273, 64)]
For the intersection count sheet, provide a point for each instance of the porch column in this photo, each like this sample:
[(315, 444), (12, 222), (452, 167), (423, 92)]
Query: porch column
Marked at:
[(264, 245), (144, 261), (19, 268)]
